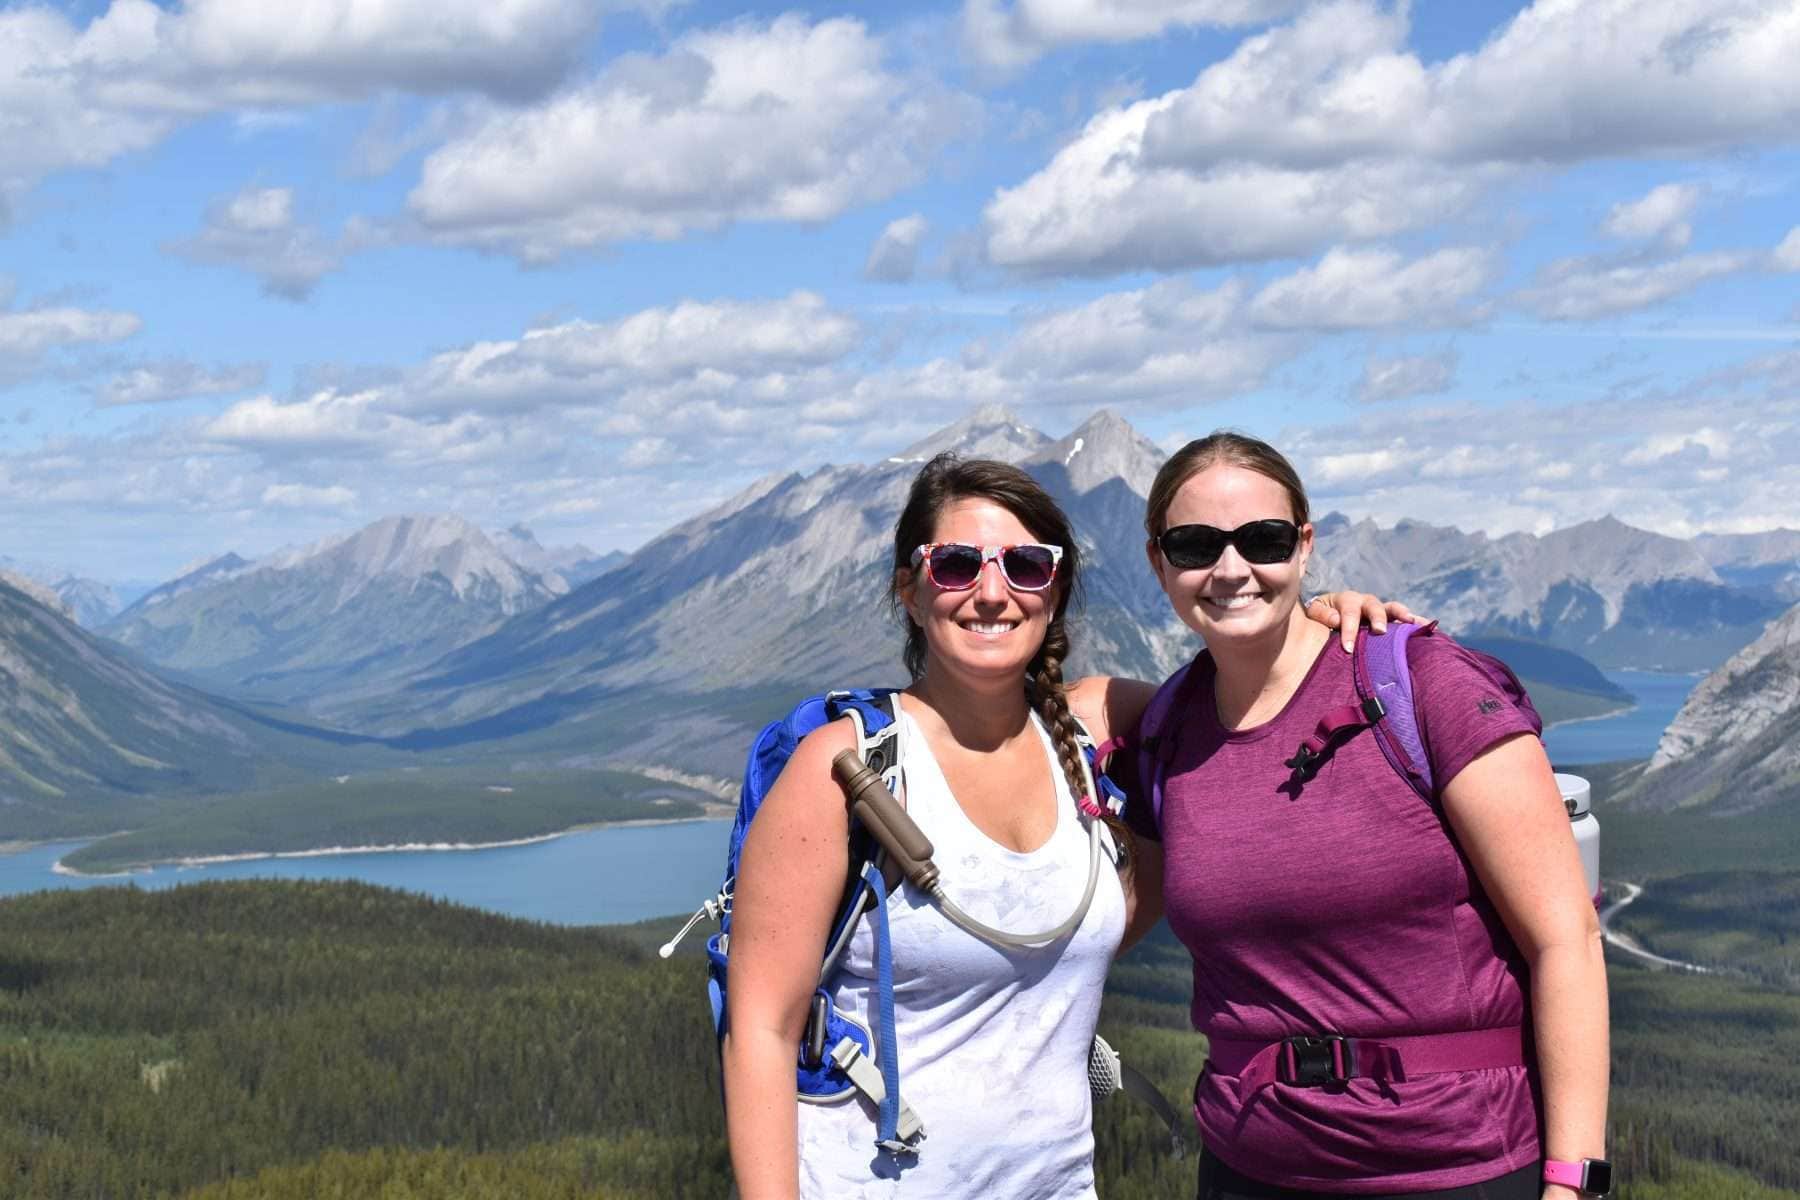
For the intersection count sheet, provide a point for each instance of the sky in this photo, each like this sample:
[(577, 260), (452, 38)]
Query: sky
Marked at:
[(269, 272)]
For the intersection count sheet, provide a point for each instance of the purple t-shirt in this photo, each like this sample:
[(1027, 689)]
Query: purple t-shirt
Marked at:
[(1344, 907)]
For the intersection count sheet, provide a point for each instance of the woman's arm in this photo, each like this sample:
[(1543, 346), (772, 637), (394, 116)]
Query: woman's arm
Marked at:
[(790, 880), (1509, 817), (1110, 707)]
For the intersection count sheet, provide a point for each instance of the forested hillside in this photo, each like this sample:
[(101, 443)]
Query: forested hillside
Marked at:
[(275, 1040)]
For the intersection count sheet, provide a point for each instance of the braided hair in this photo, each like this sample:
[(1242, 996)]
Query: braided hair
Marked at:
[(949, 478)]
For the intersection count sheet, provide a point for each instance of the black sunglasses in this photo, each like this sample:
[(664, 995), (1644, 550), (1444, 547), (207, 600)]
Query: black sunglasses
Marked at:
[(1260, 542)]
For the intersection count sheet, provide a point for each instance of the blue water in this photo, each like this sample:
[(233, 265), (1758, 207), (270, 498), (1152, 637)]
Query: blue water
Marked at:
[(1628, 735), (604, 876), (596, 876)]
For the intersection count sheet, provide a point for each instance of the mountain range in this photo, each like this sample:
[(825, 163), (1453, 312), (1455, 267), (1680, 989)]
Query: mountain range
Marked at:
[(93, 740), (320, 622), (784, 586), (428, 631)]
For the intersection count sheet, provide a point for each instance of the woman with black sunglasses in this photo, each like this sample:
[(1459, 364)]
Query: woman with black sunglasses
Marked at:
[(993, 1041), (1401, 997)]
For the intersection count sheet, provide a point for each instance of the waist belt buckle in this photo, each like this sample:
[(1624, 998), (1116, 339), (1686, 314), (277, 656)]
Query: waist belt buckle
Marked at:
[(1307, 1061)]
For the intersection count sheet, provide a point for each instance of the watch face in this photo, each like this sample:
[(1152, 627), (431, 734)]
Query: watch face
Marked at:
[(1597, 1179)]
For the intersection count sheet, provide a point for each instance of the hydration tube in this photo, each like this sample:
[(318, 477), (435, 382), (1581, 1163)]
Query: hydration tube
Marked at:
[(906, 844)]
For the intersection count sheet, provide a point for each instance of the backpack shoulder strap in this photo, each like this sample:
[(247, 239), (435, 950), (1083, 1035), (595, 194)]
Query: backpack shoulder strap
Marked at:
[(1384, 702), (875, 715), (1156, 736), (1383, 675)]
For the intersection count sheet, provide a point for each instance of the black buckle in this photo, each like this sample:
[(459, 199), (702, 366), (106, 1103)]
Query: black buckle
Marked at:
[(1305, 764), (1315, 1061)]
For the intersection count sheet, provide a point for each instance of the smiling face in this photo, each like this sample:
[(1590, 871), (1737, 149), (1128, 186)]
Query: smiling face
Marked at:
[(989, 630), (1233, 601)]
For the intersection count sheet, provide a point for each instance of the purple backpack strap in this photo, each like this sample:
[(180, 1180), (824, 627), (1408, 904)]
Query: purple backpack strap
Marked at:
[(1384, 703), (1156, 740), (1382, 674)]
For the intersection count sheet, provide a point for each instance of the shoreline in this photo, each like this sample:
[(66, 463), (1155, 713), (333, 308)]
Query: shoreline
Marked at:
[(1605, 716), (209, 860)]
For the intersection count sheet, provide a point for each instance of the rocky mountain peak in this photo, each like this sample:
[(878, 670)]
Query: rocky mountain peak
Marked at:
[(413, 546), (990, 432), (1104, 447)]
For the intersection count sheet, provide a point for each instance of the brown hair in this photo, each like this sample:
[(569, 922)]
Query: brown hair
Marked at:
[(1221, 446), (939, 484)]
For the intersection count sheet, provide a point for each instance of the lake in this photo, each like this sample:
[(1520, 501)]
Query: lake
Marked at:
[(596, 876), (631, 873), (1628, 735)]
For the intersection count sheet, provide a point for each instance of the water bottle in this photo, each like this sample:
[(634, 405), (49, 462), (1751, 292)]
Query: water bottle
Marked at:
[(1577, 798)]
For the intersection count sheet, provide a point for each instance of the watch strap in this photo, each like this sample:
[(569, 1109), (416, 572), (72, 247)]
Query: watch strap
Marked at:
[(1589, 1176), (1569, 1174)]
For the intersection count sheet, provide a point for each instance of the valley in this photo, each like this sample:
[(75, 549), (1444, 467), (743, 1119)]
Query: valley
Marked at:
[(423, 683)]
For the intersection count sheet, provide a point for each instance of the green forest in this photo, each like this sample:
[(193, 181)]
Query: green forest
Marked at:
[(285, 1039)]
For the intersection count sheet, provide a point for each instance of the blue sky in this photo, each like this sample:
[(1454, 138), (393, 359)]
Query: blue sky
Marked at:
[(270, 272)]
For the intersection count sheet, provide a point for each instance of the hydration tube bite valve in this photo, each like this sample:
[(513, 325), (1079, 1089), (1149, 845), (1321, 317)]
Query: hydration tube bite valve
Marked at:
[(871, 803)]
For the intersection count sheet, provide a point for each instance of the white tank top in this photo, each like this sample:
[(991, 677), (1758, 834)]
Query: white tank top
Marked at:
[(992, 1044)]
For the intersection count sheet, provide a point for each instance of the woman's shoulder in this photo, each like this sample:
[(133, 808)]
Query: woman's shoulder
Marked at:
[(1436, 659), (1109, 705), (812, 757)]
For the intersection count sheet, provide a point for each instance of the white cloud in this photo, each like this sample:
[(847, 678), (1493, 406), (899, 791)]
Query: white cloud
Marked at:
[(1099, 208), (1638, 454), (350, 49), (997, 33), (1663, 214), (788, 121), (300, 495), (1408, 375), (327, 421), (1583, 289), (31, 332), (155, 383), (895, 255), (1787, 255), (80, 96), (1168, 344), (255, 231), (737, 354), (1711, 444), (1370, 289), (1367, 466), (27, 335), (1564, 82), (1331, 129)]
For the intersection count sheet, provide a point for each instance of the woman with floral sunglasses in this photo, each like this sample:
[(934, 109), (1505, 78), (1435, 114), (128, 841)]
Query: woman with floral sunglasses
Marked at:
[(1402, 987), (993, 1042)]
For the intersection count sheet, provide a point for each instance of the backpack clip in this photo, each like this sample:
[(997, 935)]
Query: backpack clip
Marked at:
[(1315, 1061), (1305, 764)]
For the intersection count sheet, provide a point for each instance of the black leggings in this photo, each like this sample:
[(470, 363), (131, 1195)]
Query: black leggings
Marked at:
[(1219, 1182)]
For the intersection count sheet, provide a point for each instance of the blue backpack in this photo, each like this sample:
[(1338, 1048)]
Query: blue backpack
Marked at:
[(839, 1054), (1384, 704)]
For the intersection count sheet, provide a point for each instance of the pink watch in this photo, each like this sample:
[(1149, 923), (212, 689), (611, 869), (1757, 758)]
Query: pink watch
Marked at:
[(1590, 1176)]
